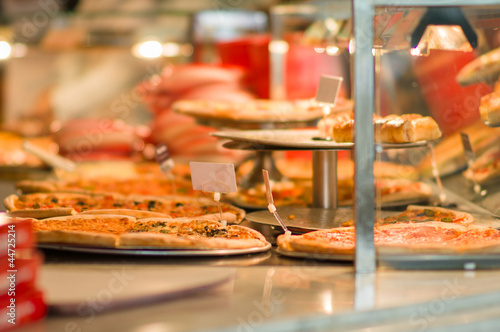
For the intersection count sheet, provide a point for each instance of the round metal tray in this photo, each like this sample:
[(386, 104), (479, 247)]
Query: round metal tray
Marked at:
[(149, 251), (297, 138), (412, 262)]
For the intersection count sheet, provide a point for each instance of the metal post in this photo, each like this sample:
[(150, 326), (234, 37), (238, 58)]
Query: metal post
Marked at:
[(364, 189), (324, 179)]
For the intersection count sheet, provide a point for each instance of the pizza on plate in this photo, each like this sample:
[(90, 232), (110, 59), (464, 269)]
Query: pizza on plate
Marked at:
[(433, 237), (118, 231), (259, 110), (145, 185), (35, 205)]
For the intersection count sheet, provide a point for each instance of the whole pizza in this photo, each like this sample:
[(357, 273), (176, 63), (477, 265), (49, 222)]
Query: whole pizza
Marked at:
[(258, 110), (419, 229), (44, 205)]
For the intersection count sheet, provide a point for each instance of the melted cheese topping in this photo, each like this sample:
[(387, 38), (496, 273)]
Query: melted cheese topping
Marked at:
[(199, 229), (81, 202), (410, 236), (109, 226)]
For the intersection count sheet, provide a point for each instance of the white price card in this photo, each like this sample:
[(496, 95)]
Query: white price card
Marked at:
[(328, 89), (213, 177)]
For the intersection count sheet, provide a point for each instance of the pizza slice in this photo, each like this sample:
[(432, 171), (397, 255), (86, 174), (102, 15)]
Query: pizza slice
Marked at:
[(387, 191), (40, 204), (489, 108), (420, 213), (190, 234), (417, 214), (486, 167), (84, 230), (145, 185)]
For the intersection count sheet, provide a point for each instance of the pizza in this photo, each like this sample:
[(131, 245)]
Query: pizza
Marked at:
[(419, 213), (387, 191), (489, 108), (191, 233), (416, 213), (449, 154), (36, 204), (258, 110), (433, 237), (13, 154), (407, 128), (118, 231), (146, 185), (483, 68), (86, 230), (486, 167)]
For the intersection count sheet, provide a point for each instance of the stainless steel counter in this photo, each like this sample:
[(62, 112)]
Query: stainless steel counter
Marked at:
[(273, 298), (258, 292)]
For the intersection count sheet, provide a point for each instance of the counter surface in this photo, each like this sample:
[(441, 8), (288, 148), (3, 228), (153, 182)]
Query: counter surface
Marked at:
[(258, 292)]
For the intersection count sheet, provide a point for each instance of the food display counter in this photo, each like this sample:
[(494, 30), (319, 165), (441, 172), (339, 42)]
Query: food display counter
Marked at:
[(384, 229)]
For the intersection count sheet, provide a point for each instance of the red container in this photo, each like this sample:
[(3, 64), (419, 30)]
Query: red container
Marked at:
[(451, 105), (15, 234)]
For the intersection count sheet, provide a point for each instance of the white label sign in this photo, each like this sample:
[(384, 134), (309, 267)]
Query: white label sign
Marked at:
[(328, 89), (213, 177)]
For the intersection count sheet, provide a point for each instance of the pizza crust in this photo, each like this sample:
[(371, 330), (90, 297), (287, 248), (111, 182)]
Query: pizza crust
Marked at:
[(91, 238), (31, 186), (295, 243), (10, 203), (139, 214), (42, 213), (88, 239)]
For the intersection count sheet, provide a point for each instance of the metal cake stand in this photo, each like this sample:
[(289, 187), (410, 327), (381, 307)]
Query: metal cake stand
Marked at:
[(324, 155)]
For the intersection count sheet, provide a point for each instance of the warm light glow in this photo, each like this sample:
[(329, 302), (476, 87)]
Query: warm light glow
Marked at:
[(19, 50), (418, 52), (352, 46), (278, 47), (5, 50), (327, 300), (187, 50), (171, 49), (319, 50), (332, 50), (149, 49)]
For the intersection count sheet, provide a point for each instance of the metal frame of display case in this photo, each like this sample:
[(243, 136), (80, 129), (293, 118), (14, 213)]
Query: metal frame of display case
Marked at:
[(363, 12)]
